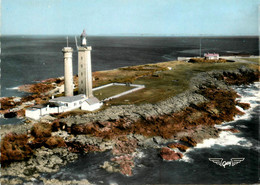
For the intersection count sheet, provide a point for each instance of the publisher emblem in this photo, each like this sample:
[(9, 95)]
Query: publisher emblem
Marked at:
[(221, 162)]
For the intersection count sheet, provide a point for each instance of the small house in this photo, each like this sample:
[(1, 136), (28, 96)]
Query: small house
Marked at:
[(211, 56)]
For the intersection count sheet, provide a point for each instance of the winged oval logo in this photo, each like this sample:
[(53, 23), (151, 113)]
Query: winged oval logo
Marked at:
[(221, 162)]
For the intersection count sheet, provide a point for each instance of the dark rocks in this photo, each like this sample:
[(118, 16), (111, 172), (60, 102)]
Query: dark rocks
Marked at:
[(233, 130), (78, 129), (10, 115), (244, 106), (241, 76), (170, 155), (57, 125)]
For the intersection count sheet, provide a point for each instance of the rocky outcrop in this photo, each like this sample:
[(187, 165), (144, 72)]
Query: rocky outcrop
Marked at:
[(233, 130), (124, 151), (135, 112), (43, 160), (170, 155), (244, 106), (189, 140), (63, 182), (179, 146)]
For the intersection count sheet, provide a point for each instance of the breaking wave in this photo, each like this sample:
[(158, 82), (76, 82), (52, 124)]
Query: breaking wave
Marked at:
[(12, 88), (225, 138)]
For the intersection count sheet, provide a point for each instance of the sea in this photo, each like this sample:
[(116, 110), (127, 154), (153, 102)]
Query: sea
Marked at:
[(30, 59)]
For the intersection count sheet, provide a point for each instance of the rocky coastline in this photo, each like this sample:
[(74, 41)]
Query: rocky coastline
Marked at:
[(172, 126)]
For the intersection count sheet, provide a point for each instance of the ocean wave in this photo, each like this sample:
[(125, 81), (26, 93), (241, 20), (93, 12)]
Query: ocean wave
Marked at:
[(225, 138), (224, 126), (140, 155), (242, 126), (112, 183), (12, 88), (186, 159), (168, 57), (249, 94)]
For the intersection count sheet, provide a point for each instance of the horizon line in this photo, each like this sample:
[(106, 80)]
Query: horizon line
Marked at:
[(136, 35)]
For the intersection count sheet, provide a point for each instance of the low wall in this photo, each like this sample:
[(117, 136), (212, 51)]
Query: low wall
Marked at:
[(137, 87)]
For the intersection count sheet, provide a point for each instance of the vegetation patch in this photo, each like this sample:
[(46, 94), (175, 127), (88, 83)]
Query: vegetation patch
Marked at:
[(113, 90), (255, 60), (165, 84), (203, 60)]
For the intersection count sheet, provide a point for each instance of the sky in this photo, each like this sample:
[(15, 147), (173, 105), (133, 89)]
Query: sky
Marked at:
[(130, 17)]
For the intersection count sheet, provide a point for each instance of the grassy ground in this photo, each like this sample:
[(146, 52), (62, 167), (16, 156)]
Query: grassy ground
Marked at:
[(166, 83), (110, 91), (161, 80), (256, 60)]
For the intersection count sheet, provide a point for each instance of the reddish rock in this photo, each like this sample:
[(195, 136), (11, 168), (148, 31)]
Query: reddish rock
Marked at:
[(125, 163), (169, 155), (41, 130), (124, 146), (189, 140), (54, 142), (123, 150), (126, 167), (181, 147)]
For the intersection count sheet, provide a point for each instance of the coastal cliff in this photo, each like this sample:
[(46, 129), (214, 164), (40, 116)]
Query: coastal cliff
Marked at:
[(187, 118)]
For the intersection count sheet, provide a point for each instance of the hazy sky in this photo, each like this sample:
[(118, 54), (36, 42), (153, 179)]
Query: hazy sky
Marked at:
[(129, 17)]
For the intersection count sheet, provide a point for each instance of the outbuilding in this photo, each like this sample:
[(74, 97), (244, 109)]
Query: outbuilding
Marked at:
[(211, 56)]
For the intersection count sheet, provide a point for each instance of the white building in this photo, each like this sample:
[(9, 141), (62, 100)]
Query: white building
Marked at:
[(63, 104), (211, 56)]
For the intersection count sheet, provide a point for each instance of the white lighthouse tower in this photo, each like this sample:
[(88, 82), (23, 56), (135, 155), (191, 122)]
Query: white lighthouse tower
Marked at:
[(68, 72), (84, 67), (85, 75)]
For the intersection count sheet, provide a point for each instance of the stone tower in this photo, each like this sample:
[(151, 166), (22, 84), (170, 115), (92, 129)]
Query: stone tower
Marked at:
[(68, 72), (84, 67)]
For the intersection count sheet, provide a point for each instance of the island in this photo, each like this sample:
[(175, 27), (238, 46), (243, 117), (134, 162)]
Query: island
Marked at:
[(178, 108)]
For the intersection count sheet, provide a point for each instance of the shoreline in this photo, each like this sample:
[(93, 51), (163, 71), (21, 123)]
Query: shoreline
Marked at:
[(123, 116)]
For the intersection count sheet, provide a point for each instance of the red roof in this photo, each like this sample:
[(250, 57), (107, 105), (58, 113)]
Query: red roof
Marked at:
[(211, 54)]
